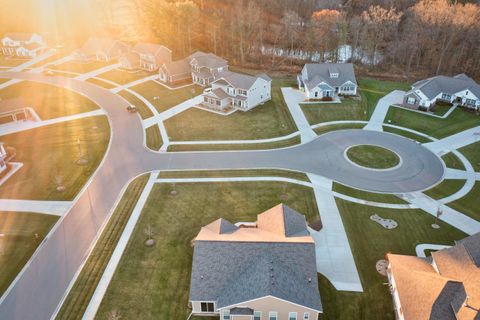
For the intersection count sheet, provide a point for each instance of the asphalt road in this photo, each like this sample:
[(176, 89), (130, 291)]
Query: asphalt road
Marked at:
[(42, 284)]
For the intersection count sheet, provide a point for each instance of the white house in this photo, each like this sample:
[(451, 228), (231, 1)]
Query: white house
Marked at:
[(459, 89), (152, 56), (23, 44), (3, 157), (237, 91), (324, 81), (206, 67)]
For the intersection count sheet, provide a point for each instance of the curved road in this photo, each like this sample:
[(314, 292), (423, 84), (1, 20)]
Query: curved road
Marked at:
[(41, 285)]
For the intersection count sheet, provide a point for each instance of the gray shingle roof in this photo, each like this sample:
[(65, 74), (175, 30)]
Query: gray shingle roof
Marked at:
[(318, 72), (149, 48), (241, 311), (177, 67), (208, 60), (239, 80), (472, 245), (295, 223), (235, 272), (432, 87)]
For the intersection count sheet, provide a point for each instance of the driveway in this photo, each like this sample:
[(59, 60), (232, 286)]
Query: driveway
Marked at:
[(41, 285)]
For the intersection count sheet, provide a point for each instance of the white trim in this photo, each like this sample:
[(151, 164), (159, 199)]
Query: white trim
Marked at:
[(269, 296)]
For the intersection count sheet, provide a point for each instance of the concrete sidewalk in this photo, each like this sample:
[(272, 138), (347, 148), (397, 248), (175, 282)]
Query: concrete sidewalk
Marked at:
[(173, 111), (293, 98), (96, 72), (57, 208), (33, 61), (455, 141), (378, 117)]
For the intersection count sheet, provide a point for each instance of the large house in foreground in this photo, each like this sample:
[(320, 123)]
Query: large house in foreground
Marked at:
[(258, 271), (237, 91), (445, 286), (322, 81), (459, 89), (27, 45), (101, 49), (200, 67)]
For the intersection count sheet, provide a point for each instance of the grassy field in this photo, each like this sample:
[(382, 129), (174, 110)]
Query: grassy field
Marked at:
[(235, 173), (166, 98), (349, 109), (445, 189), (82, 291), (19, 241), (469, 204), (375, 303), (342, 126), (49, 156), (365, 195), (269, 120), (154, 140), (101, 83), (372, 157), (123, 77), (472, 153), (252, 146), (407, 134), (143, 110), (79, 67), (153, 282), (48, 101), (11, 62), (452, 161), (457, 121)]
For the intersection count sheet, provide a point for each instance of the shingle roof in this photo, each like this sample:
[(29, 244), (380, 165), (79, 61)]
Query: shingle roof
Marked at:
[(177, 67), (432, 87), (241, 311), (149, 48), (208, 60), (284, 221), (320, 72), (239, 80), (221, 226)]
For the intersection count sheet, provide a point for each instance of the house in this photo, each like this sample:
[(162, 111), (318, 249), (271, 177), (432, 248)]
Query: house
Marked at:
[(324, 81), (459, 89), (23, 44), (3, 158), (260, 271), (206, 67), (237, 91), (101, 49), (175, 72), (129, 61), (444, 286), (152, 56)]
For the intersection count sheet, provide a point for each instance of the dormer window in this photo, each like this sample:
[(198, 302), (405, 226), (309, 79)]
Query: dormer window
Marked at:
[(334, 75)]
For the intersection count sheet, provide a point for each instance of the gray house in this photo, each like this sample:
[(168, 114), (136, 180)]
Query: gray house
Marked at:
[(101, 49), (206, 67), (327, 80), (459, 89), (258, 271)]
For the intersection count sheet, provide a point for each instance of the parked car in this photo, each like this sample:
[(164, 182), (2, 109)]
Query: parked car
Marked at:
[(131, 109)]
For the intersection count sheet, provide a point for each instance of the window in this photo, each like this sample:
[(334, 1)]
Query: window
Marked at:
[(257, 315), (272, 315), (207, 307), (316, 94), (411, 100), (292, 316), (446, 97), (226, 315), (306, 316)]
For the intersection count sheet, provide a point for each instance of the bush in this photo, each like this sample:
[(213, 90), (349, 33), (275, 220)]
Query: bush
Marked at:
[(327, 99)]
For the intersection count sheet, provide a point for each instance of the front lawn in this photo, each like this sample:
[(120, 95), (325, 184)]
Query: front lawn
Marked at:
[(11, 61), (48, 101), (155, 281), (349, 109), (472, 153), (22, 234), (123, 76), (49, 156), (469, 204), (445, 189), (80, 67), (458, 120), (162, 98)]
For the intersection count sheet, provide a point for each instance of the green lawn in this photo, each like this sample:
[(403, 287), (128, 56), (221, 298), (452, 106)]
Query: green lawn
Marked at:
[(166, 98), (349, 109), (11, 62), (2, 80), (48, 101), (101, 83), (469, 204), (407, 134), (441, 108), (49, 156), (235, 173), (79, 296), (365, 195), (376, 302), (154, 282), (154, 140), (252, 146), (457, 121), (445, 189), (19, 241), (269, 120), (373, 157), (341, 126), (123, 77), (79, 67), (452, 161), (143, 110), (472, 153)]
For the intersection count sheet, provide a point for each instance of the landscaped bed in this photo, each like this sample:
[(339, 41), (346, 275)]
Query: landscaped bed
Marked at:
[(374, 157), (48, 101), (22, 234), (122, 76), (155, 281), (49, 155)]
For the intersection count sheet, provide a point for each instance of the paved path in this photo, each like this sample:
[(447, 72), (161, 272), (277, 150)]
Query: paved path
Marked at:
[(380, 112), (33, 61), (44, 280), (58, 208), (28, 125), (420, 249), (179, 108), (96, 72), (455, 174), (455, 141), (293, 98)]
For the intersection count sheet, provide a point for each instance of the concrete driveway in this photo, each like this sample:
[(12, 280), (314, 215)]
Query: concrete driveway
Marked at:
[(42, 283)]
